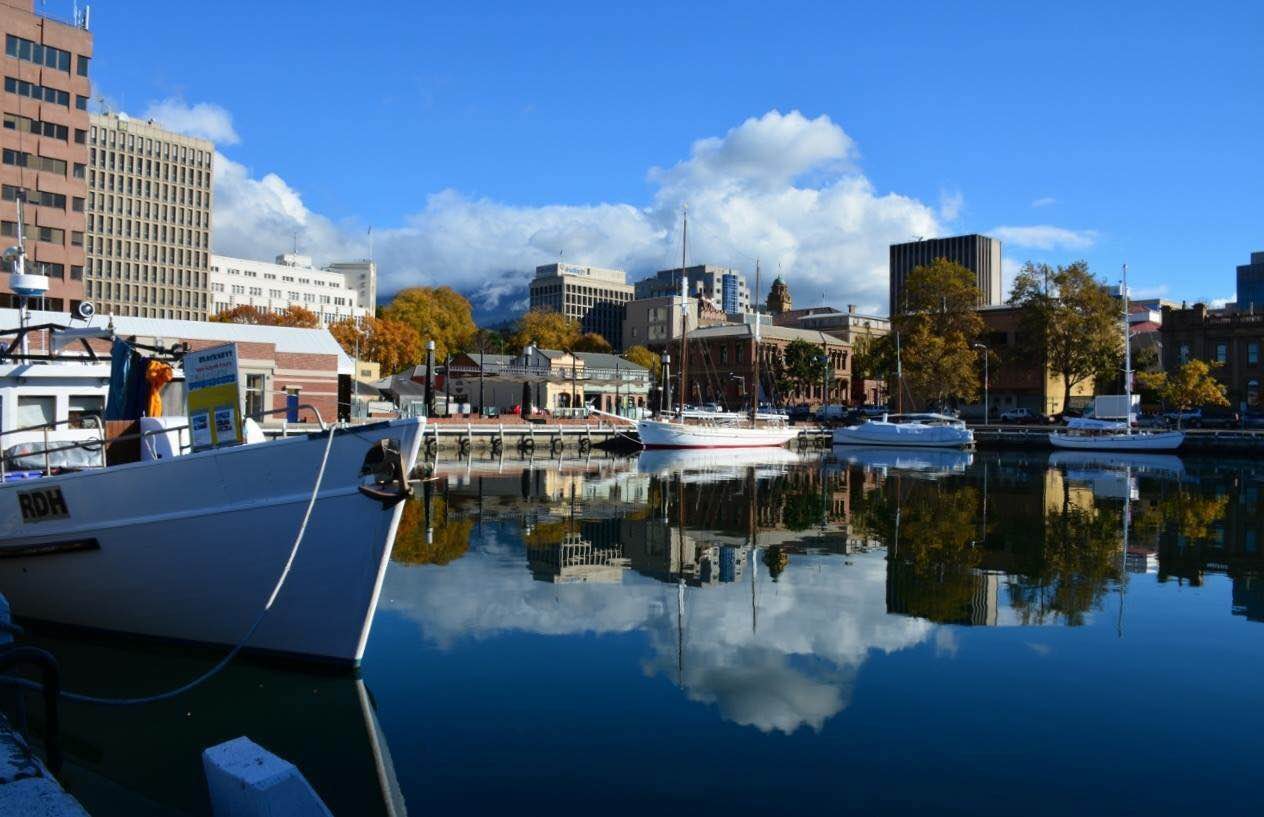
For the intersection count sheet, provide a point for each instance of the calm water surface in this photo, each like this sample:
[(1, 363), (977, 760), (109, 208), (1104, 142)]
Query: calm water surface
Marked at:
[(866, 631)]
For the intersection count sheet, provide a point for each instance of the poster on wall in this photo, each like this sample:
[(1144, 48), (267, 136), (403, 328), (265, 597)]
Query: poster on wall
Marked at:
[(214, 407)]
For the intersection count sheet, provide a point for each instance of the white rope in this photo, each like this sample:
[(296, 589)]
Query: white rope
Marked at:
[(224, 662)]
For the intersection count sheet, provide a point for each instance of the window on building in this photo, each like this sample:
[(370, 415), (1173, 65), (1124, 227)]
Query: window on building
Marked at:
[(1222, 353), (1183, 353), (256, 394), (1253, 353), (1253, 392)]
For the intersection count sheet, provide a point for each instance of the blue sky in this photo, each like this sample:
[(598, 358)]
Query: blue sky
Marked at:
[(482, 138)]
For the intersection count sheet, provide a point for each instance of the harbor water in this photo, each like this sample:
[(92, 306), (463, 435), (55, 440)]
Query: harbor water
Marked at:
[(855, 631)]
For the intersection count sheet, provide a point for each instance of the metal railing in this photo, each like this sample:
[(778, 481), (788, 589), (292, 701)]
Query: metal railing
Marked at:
[(143, 436)]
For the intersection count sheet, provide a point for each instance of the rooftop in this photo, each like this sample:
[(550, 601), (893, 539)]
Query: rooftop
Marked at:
[(741, 330)]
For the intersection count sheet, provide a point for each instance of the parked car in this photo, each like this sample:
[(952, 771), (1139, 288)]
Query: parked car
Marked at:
[(1183, 418), (1217, 417), (1253, 419), (1022, 416), (800, 412), (873, 410)]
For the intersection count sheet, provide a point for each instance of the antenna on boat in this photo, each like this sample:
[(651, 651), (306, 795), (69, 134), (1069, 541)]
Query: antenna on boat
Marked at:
[(755, 352), (24, 285)]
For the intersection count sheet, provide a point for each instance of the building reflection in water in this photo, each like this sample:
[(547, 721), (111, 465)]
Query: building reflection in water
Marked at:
[(738, 569)]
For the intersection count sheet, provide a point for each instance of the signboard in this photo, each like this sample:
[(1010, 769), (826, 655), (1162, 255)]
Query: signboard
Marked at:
[(210, 377)]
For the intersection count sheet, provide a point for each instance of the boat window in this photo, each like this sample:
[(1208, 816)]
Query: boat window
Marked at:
[(36, 410), (80, 404)]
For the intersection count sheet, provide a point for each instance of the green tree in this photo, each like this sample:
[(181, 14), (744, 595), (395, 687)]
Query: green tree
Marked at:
[(801, 366), (1069, 323), (644, 357), (440, 314), (546, 329), (1193, 384), (938, 326)]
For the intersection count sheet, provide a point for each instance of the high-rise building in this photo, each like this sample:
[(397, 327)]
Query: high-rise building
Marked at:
[(362, 277), (977, 253), (591, 295), (1251, 283), (149, 219), (45, 150), (721, 285), (289, 281)]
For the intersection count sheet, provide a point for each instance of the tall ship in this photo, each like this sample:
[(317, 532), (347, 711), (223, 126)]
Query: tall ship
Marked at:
[(686, 431)]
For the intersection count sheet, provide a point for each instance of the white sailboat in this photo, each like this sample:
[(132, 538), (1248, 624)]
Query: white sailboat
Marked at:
[(686, 432), (1099, 435), (907, 430)]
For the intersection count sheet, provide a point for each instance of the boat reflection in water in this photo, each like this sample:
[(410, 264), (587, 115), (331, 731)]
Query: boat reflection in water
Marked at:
[(926, 461), (148, 760)]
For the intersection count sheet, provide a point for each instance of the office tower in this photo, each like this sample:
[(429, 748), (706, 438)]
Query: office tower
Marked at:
[(977, 253), (149, 219), (362, 277), (724, 287), (45, 151), (1251, 283), (591, 295), (289, 281)]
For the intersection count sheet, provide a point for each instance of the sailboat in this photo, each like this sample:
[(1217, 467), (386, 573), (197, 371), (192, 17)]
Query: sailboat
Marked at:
[(907, 430), (1104, 435), (690, 432)]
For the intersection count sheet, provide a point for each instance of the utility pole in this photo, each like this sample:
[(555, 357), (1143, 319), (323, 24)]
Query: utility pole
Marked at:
[(430, 362)]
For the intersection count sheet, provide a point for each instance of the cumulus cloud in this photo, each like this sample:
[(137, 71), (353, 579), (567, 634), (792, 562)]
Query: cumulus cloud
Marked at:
[(203, 120), (1044, 201), (951, 204), (784, 188), (1046, 237)]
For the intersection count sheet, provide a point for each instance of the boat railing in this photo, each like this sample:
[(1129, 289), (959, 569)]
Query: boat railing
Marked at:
[(101, 443), (94, 419)]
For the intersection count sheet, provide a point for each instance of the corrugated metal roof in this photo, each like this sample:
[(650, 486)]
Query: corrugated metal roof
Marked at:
[(741, 330), (601, 360), (286, 338)]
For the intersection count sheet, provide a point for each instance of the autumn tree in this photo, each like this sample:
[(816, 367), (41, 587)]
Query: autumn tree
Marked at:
[(489, 341), (392, 344), (592, 342), (1193, 384), (644, 357), (1069, 323), (938, 326), (440, 314), (292, 316), (546, 329)]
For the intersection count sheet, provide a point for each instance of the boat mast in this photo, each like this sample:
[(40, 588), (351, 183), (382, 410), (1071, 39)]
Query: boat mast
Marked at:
[(1127, 356), (754, 412), (684, 315)]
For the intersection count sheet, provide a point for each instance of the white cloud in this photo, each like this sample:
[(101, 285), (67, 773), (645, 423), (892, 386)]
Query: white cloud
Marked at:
[(780, 187), (203, 120), (1046, 237), (1221, 303), (1044, 201), (951, 204)]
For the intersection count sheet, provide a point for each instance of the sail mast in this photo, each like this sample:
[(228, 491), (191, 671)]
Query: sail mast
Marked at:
[(1127, 356), (684, 316), (754, 388)]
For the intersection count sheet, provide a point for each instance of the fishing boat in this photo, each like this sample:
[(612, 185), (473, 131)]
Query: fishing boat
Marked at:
[(281, 545), (687, 430), (1086, 433), (908, 430)]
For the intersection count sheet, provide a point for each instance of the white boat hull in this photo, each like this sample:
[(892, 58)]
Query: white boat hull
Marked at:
[(917, 435), (1144, 441), (661, 434), (189, 548)]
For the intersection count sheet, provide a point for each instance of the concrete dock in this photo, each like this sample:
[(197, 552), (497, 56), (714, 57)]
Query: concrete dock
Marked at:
[(26, 786)]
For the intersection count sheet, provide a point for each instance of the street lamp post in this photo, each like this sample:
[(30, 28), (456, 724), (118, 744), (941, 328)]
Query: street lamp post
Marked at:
[(985, 381), (430, 363)]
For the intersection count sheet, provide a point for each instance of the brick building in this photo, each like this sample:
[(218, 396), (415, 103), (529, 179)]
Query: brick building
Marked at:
[(1014, 381), (1228, 337), (720, 365), (45, 151)]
